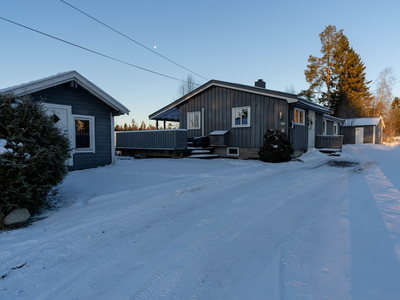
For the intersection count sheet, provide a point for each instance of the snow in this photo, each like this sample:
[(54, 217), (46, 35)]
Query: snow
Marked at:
[(219, 132), (216, 229), (373, 121), (3, 148)]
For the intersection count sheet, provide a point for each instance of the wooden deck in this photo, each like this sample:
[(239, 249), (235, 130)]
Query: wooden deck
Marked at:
[(152, 143), (329, 142)]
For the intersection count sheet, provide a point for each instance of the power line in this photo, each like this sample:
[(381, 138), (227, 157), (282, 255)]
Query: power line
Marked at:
[(129, 38), (89, 50)]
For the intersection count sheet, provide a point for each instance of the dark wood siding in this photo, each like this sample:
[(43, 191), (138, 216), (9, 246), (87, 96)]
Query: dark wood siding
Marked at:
[(218, 103), (349, 135), (299, 133), (378, 133), (368, 134), (84, 103), (329, 127), (319, 123)]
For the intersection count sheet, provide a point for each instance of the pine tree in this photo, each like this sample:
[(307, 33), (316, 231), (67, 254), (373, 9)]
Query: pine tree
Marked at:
[(351, 97), (319, 70)]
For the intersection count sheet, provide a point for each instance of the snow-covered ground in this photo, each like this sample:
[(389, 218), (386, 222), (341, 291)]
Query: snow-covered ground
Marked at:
[(217, 229)]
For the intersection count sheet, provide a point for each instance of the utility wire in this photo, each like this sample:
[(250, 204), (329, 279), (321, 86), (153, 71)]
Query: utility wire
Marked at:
[(109, 27), (92, 51)]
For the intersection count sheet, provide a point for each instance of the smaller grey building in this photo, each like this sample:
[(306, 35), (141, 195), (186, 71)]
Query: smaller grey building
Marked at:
[(83, 111), (363, 130)]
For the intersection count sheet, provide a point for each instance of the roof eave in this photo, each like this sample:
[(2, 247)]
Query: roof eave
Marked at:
[(61, 78)]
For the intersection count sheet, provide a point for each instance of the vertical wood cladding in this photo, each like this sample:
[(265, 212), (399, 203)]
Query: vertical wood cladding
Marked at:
[(299, 133), (84, 103), (218, 103)]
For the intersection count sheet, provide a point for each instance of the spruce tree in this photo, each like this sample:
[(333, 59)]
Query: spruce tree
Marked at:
[(341, 72), (351, 97), (33, 153)]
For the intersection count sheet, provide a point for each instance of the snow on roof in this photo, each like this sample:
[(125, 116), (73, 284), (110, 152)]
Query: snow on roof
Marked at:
[(362, 121), (60, 78), (218, 132)]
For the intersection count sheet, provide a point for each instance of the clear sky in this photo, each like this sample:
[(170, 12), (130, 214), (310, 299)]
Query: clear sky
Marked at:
[(235, 41)]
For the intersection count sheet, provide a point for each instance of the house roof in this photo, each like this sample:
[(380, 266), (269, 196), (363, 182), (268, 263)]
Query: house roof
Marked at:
[(171, 112), (307, 104), (48, 82), (372, 121), (334, 119)]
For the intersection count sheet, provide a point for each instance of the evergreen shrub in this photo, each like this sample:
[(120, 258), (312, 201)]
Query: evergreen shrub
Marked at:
[(276, 147), (33, 154)]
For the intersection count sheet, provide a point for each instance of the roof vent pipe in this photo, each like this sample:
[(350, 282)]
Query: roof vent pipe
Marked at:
[(260, 83)]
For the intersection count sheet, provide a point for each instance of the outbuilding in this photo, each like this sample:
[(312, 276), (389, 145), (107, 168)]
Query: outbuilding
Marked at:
[(82, 110), (363, 130)]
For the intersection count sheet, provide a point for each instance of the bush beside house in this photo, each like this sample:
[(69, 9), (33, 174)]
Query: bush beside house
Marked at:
[(33, 152), (276, 147)]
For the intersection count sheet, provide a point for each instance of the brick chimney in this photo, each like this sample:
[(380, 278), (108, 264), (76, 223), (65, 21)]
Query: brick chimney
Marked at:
[(260, 83)]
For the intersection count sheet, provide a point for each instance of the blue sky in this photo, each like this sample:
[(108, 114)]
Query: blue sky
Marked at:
[(235, 41)]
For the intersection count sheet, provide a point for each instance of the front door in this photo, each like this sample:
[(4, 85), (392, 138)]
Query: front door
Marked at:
[(311, 129), (359, 135), (62, 118)]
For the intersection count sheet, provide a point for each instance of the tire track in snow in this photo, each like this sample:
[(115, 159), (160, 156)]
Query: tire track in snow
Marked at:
[(163, 285), (136, 218)]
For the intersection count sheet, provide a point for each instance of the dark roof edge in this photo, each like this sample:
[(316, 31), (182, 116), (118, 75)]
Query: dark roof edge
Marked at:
[(290, 98), (304, 103), (334, 119)]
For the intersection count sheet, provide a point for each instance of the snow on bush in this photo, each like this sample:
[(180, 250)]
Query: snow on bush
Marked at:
[(33, 152), (276, 147)]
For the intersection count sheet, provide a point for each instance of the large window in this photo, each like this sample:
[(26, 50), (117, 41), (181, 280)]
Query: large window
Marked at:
[(241, 116), (193, 120), (299, 116), (84, 134)]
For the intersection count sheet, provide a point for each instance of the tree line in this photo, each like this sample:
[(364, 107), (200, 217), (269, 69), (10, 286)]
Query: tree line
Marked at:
[(338, 80), (134, 126)]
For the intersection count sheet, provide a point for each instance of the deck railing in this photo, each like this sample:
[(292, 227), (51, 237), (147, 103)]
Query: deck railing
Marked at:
[(329, 142), (169, 139)]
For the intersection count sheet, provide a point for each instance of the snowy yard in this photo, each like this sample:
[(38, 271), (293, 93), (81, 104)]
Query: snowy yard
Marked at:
[(217, 229)]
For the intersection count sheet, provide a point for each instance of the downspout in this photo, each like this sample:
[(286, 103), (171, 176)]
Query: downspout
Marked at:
[(202, 122), (112, 139)]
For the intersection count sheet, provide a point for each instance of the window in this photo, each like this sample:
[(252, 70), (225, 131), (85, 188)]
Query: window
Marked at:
[(299, 116), (335, 131), (84, 134), (241, 116), (324, 127), (232, 151), (193, 120)]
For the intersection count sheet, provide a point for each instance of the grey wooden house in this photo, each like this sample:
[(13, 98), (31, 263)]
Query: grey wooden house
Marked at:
[(235, 117), (84, 111), (363, 130)]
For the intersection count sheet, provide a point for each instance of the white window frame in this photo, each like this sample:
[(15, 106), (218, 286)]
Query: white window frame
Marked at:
[(92, 148), (324, 127), (234, 109), (232, 154), (193, 113), (297, 112)]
